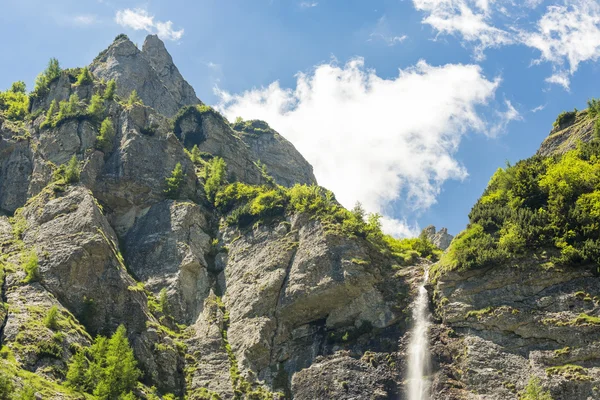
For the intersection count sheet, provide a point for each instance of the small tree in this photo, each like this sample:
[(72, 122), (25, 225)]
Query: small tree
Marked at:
[(215, 177), (134, 98), (120, 372), (85, 77), (53, 69), (534, 391), (195, 155), (174, 182), (96, 107), (109, 92), (163, 301), (18, 87), (49, 121), (104, 141), (30, 264), (6, 386), (72, 172), (51, 320)]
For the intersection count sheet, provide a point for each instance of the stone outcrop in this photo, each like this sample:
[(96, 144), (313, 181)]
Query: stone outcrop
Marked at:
[(441, 238), (149, 71), (513, 322), (565, 137)]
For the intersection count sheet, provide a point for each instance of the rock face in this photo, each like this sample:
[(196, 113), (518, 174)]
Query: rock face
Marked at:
[(287, 308), (441, 238), (149, 71), (281, 159), (514, 322), (565, 137)]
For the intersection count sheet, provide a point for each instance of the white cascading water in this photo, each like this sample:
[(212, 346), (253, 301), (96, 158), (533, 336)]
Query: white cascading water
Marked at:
[(418, 347)]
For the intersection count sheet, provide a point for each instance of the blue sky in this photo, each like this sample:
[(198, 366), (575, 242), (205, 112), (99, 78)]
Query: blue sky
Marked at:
[(406, 105)]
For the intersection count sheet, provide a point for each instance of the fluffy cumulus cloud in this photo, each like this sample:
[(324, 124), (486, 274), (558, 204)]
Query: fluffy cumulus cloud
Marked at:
[(375, 140), (139, 19), (566, 34)]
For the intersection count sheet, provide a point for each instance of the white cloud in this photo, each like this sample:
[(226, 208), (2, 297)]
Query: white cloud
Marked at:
[(382, 31), (308, 4), (376, 140), (567, 34), (538, 108), (470, 19), (139, 19), (85, 19)]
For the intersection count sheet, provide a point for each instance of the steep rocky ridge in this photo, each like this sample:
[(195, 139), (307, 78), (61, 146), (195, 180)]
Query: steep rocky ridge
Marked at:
[(535, 313), (277, 309)]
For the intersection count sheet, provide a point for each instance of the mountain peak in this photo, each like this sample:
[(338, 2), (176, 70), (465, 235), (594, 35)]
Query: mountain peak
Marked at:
[(149, 71)]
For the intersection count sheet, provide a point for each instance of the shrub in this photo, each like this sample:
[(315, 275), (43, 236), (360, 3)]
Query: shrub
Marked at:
[(215, 177), (44, 79), (14, 103), (593, 107), (174, 182), (51, 349), (106, 137), (108, 370), (18, 87), (72, 171), (195, 155), (109, 92), (96, 107), (51, 320), (68, 109), (6, 386), (85, 77), (134, 99), (49, 121), (564, 118), (534, 391), (163, 301), (30, 265)]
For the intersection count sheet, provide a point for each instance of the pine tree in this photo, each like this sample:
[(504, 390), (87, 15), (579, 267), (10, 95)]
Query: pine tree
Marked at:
[(215, 177), (120, 373), (174, 182), (49, 121), (72, 171), (85, 77), (96, 107), (109, 92), (134, 98), (104, 141), (195, 155), (77, 373)]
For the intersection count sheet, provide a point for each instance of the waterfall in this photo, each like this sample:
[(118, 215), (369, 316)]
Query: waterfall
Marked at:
[(418, 347)]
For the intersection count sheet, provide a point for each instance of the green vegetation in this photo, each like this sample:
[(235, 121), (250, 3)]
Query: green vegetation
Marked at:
[(175, 182), (96, 107), (109, 92), (51, 320), (30, 264), (570, 372), (245, 204), (564, 118), (85, 77), (106, 137), (72, 171), (215, 176), (134, 99), (107, 369), (14, 103), (44, 79), (534, 391), (538, 205)]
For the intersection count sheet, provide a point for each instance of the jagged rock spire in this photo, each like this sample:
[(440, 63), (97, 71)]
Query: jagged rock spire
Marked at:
[(150, 72)]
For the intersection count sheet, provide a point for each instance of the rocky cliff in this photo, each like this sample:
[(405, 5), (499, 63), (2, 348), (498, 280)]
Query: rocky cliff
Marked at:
[(233, 273), (128, 205)]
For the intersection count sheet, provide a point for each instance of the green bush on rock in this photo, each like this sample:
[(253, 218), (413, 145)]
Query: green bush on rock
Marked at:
[(108, 369)]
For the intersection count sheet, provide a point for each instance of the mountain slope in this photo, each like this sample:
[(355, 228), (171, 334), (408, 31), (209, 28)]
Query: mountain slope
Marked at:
[(232, 272)]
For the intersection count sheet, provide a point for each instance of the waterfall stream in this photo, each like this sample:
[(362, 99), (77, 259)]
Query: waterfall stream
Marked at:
[(418, 347)]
